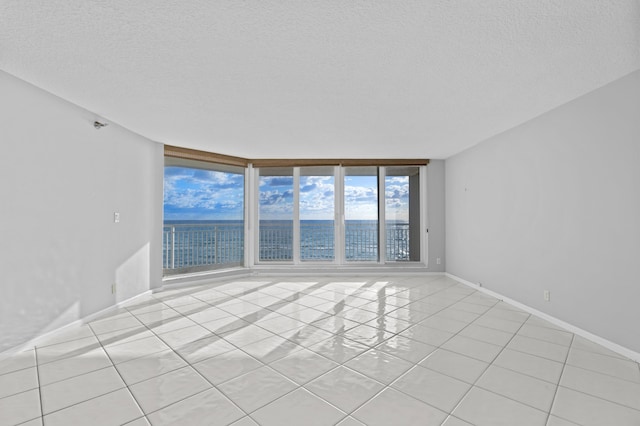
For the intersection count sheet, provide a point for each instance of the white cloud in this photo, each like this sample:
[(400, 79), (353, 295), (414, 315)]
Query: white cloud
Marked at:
[(317, 198), (200, 193)]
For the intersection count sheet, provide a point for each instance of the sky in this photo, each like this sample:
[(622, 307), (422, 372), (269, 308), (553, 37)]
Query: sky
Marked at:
[(194, 194)]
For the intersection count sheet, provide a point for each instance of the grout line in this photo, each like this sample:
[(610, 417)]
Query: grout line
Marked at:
[(17, 393), (565, 419), (187, 397), (600, 398), (555, 395), (75, 352), (538, 356), (113, 365), (15, 371), (88, 399), (617, 356), (143, 417), (591, 370), (96, 369), (23, 392), (529, 375), (46, 345), (35, 355), (592, 395)]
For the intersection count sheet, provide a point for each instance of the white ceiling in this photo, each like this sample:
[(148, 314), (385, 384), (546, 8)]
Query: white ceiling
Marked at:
[(332, 78)]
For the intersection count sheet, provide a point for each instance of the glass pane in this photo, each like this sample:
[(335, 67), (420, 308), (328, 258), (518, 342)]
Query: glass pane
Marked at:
[(276, 214), (317, 213), (203, 218), (361, 213), (402, 212)]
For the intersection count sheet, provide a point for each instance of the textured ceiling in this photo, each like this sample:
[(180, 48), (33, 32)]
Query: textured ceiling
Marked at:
[(334, 78)]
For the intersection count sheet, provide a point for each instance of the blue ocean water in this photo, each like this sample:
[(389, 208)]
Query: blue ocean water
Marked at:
[(210, 242)]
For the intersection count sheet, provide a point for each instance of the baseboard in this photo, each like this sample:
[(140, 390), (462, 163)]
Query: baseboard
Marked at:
[(185, 280), (626, 352), (338, 271)]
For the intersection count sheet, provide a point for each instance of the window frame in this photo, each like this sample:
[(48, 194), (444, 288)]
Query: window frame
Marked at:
[(251, 205), (339, 223), (214, 167)]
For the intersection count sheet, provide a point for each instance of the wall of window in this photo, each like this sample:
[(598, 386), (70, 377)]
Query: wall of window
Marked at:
[(222, 212), (204, 208), (339, 215)]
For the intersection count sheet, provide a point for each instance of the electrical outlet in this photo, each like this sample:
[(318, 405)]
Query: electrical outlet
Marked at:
[(547, 295), (116, 217), (438, 261)]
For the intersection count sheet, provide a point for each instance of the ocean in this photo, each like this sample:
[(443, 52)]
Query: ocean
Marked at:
[(192, 244)]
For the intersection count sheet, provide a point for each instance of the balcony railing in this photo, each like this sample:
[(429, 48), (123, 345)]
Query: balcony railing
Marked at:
[(276, 241), (361, 241), (398, 237), (190, 247), (317, 241)]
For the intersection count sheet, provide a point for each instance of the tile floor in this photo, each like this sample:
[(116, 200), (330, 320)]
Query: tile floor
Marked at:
[(375, 350)]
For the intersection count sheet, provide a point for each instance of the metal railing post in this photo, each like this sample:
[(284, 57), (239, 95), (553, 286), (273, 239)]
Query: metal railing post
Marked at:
[(173, 247)]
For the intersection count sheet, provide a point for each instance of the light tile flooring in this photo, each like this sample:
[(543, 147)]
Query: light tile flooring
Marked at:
[(375, 350)]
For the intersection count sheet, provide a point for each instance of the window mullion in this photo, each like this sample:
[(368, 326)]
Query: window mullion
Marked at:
[(249, 215), (255, 184), (296, 215), (339, 234), (424, 218), (382, 222)]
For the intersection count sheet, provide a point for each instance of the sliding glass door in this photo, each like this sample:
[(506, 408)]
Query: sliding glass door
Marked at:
[(275, 213), (361, 214), (317, 213), (340, 215), (402, 213)]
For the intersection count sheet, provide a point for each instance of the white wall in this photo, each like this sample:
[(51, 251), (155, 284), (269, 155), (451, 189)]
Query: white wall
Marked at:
[(62, 180), (436, 214), (555, 204)]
